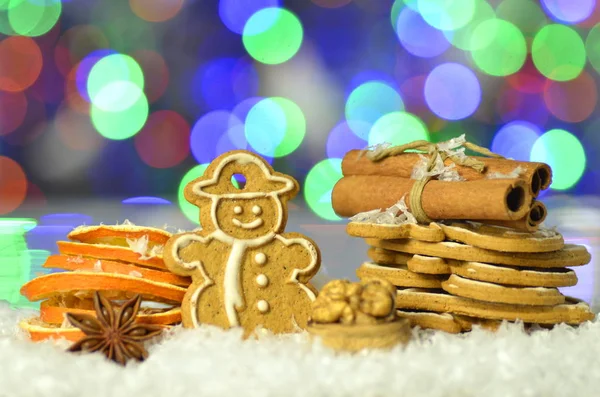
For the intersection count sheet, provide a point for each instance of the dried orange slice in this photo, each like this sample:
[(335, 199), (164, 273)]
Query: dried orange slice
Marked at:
[(77, 263), (110, 252), (39, 331), (50, 313), (62, 283), (119, 234)]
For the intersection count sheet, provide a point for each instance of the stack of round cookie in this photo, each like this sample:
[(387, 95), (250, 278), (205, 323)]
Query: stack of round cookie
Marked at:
[(453, 275)]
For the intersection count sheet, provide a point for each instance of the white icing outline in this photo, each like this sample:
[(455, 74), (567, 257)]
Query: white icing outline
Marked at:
[(257, 210), (258, 222), (237, 209)]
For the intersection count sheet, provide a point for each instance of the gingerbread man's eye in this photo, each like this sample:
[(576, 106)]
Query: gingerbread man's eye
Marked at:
[(256, 210), (237, 210)]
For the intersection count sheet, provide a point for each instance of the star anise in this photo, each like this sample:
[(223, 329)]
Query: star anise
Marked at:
[(113, 331)]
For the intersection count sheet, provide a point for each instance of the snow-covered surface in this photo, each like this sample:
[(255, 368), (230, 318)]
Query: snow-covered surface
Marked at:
[(212, 362)]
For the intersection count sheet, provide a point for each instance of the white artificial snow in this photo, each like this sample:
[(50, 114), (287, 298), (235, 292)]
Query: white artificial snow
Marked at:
[(98, 267), (511, 175), (397, 214), (374, 150), (211, 362), (134, 273)]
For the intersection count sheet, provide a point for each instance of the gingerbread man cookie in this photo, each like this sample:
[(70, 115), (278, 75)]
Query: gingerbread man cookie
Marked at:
[(246, 272)]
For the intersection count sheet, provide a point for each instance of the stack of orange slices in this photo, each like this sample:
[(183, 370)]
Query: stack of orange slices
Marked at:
[(120, 261)]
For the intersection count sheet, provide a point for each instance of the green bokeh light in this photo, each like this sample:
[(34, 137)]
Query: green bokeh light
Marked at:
[(319, 185), (463, 38), (398, 128), (527, 15), (564, 153), (189, 210), (395, 12), (122, 124), (33, 17), (117, 96), (447, 14), (113, 68), (275, 127), (592, 46), (272, 35), (558, 52), (500, 48)]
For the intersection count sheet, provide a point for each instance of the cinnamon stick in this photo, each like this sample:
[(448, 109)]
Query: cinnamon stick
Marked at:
[(537, 176), (530, 222), (493, 199)]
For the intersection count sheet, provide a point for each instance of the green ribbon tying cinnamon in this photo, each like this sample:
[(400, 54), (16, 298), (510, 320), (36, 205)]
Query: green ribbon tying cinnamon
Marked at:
[(434, 151)]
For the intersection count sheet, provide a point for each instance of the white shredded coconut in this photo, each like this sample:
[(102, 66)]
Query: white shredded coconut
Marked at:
[(127, 222), (448, 173), (75, 259), (139, 245), (98, 267), (135, 273), (511, 175), (397, 214)]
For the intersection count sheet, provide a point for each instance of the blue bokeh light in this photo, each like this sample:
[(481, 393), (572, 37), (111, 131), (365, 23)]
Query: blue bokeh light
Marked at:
[(452, 91), (223, 82), (146, 200), (235, 13), (85, 67), (515, 140), (342, 139), (208, 131), (266, 126), (569, 11), (418, 37)]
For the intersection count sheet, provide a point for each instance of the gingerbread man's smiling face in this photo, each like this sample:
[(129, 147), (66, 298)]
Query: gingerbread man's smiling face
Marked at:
[(248, 218)]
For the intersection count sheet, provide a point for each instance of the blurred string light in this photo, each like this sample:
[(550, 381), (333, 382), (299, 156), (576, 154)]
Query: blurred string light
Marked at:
[(574, 100), (564, 153), (569, 11), (156, 10), (418, 37), (512, 104), (20, 63), (592, 47), (515, 140), (528, 79), (498, 47), (273, 35), (13, 185), (236, 13), (84, 68), (29, 17), (33, 125), (526, 15), (275, 127), (318, 186), (342, 139), (446, 14), (367, 103), (214, 134), (398, 128), (115, 87), (164, 141), (558, 52), (462, 37), (75, 44), (452, 91), (222, 83)]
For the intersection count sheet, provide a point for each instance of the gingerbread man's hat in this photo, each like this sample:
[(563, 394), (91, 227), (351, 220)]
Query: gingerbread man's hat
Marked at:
[(261, 179)]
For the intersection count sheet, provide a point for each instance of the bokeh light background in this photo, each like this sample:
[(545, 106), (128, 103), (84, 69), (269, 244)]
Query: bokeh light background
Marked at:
[(129, 100), (134, 98)]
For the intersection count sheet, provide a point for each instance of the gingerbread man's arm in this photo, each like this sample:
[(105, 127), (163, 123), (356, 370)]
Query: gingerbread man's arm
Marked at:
[(172, 253), (313, 257)]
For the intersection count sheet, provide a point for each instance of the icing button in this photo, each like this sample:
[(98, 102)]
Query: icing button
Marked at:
[(262, 306), (260, 258), (262, 280)]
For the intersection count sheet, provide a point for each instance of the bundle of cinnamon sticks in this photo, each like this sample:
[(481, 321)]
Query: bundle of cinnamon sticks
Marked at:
[(459, 236), (500, 191)]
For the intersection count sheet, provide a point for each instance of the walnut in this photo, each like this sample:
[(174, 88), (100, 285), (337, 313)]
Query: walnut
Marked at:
[(370, 301)]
